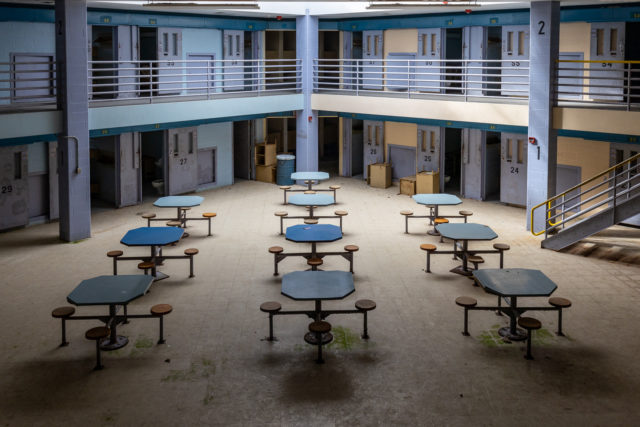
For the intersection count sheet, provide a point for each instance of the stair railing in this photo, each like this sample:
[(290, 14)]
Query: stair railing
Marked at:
[(610, 186)]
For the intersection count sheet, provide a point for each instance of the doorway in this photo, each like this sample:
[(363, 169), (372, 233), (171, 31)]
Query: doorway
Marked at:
[(632, 53), (328, 144), (242, 147), (152, 164), (491, 170), (328, 49), (103, 48), (148, 52), (453, 55), (494, 55), (102, 155), (450, 179)]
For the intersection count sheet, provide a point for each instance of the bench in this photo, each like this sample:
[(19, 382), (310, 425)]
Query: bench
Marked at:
[(279, 255), (431, 217), (159, 311), (181, 221), (282, 215)]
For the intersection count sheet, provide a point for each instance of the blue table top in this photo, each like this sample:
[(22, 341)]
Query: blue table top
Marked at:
[(152, 236), (303, 233), (466, 231), (314, 285), (515, 282), (311, 199), (107, 290), (178, 201), (436, 199), (316, 176)]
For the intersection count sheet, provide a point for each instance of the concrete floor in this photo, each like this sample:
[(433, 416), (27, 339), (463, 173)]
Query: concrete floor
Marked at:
[(216, 369)]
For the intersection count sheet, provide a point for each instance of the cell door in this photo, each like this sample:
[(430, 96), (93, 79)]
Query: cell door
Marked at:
[(200, 74), (515, 50), (607, 44), (129, 191), (428, 68), (128, 56), (233, 48), (373, 144), (372, 60), (513, 169), (402, 159), (428, 152), (14, 188), (257, 38), (618, 154), (169, 68), (472, 148), (54, 202), (348, 67), (182, 160), (474, 40)]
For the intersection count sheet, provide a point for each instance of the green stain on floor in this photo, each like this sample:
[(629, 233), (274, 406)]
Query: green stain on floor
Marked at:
[(197, 370), (344, 339), (492, 338), (144, 342)]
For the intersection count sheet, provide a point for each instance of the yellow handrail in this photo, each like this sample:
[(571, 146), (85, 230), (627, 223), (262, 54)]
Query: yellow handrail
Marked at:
[(548, 201)]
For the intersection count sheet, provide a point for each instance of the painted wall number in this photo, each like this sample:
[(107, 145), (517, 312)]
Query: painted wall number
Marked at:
[(183, 161), (514, 170), (541, 29), (515, 63), (607, 64), (427, 158), (7, 189), (373, 151)]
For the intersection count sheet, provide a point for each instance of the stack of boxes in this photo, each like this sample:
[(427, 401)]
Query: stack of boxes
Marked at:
[(265, 157)]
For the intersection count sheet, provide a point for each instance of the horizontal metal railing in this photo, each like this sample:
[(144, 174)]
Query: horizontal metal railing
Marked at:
[(28, 82), (599, 83), (608, 188), (458, 78)]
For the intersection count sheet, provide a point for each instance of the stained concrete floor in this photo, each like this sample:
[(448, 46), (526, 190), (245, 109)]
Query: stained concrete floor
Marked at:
[(216, 369)]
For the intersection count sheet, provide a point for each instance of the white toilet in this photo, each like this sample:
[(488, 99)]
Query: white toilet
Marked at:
[(158, 184)]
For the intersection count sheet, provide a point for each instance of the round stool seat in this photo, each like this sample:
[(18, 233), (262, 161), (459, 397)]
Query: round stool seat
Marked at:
[(174, 224), (62, 312), (270, 307), (97, 333), (148, 215), (501, 246), (314, 261), (114, 254), (310, 221), (529, 323), (191, 251), (281, 213), (341, 213), (309, 192), (285, 187), (275, 249), (441, 221), (334, 187), (465, 213), (475, 259), (319, 326), (351, 248), (406, 212), (161, 309), (428, 247), (560, 302), (466, 301), (146, 265), (209, 215), (365, 304)]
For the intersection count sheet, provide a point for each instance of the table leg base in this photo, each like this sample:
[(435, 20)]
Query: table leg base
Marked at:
[(459, 270), (520, 334), (310, 337), (160, 276), (433, 233), (107, 345)]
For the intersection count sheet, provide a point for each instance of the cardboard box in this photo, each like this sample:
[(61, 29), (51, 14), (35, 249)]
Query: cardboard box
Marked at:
[(428, 182), (408, 185), (266, 173), (265, 154), (379, 175)]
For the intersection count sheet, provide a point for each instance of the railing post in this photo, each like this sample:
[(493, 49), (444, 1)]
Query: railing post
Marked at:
[(563, 210), (150, 81), (628, 67), (465, 78), (408, 79), (357, 77)]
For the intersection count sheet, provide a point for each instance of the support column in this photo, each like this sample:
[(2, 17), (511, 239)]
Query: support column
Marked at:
[(307, 119), (73, 142), (542, 156)]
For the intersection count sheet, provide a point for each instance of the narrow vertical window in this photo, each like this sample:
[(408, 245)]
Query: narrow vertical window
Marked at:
[(433, 45), (190, 142), (432, 141), (521, 43), (423, 140), (509, 150), (369, 134), (237, 53), (509, 42), (424, 44), (377, 135), (174, 37), (230, 46), (520, 151), (599, 41), (613, 41), (165, 43), (375, 45), (176, 145), (17, 165), (368, 45)]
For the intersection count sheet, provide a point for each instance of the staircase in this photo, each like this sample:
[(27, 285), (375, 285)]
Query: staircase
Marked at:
[(606, 199)]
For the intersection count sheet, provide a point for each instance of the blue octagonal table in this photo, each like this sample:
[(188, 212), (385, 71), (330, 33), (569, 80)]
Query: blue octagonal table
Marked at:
[(310, 177), (311, 200), (154, 237), (436, 200), (465, 232), (313, 233), (111, 291), (178, 202), (510, 284)]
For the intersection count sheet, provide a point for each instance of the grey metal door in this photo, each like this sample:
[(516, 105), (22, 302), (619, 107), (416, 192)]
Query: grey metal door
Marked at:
[(257, 38), (402, 159), (38, 170), (570, 77), (372, 59), (473, 48), (373, 144), (169, 54), (429, 67), (515, 49), (182, 160), (207, 166), (200, 74), (472, 147), (233, 48), (14, 188), (54, 203), (128, 54), (129, 190), (607, 44), (619, 153), (428, 152), (347, 138), (513, 169), (567, 177), (349, 67)]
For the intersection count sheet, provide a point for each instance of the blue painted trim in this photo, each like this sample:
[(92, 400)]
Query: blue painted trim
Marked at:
[(600, 136), (22, 140)]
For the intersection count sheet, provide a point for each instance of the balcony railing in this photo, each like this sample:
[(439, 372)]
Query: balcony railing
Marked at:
[(28, 82)]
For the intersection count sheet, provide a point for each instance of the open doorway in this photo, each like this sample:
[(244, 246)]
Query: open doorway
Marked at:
[(632, 53), (491, 170), (452, 161), (328, 144), (328, 50), (103, 48), (242, 149), (153, 149), (148, 52), (453, 55), (494, 54), (102, 169)]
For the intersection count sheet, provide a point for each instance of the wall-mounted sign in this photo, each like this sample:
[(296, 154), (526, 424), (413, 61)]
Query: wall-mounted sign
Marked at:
[(105, 19), (105, 131), (493, 21), (153, 21)]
